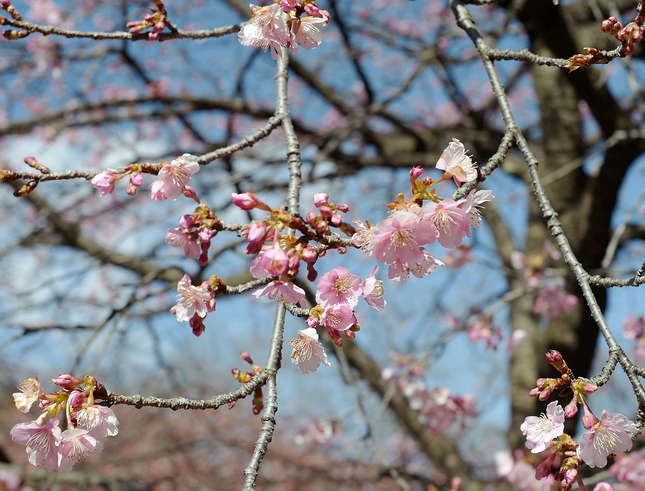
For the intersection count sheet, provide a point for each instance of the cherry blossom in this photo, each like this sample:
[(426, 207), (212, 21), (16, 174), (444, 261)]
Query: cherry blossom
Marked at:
[(305, 32), (267, 28), (421, 266), (104, 182), (450, 220), (339, 286), (553, 300), (610, 435), (173, 177), (283, 291), (41, 441), (271, 261), (373, 290), (308, 353), (541, 430), (76, 444), (456, 163), (29, 393), (338, 317), (400, 236), (178, 238), (100, 421), (192, 300)]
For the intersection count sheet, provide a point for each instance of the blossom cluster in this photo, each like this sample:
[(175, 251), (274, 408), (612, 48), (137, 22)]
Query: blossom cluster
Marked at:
[(87, 423), (171, 183), (438, 409), (628, 35), (552, 299), (561, 456), (399, 240), (284, 23), (194, 233), (195, 302)]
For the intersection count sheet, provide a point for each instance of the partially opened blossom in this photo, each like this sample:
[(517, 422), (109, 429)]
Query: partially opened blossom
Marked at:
[(270, 261), (29, 393), (308, 353), (473, 203), (173, 177), (339, 286), (456, 163), (100, 421), (76, 445), (283, 291), (305, 32), (41, 441), (612, 434), (541, 430), (373, 290), (104, 182), (421, 266), (192, 300)]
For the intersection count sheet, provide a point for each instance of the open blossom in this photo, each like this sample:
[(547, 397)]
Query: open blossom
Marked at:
[(271, 261), (41, 441), (305, 32), (307, 352), (373, 290), (339, 286), (451, 221), (100, 421), (267, 28), (473, 203), (104, 182), (400, 236), (178, 238), (456, 163), (338, 317), (612, 434), (173, 177), (283, 291), (29, 393), (541, 430), (76, 444), (421, 266), (192, 300)]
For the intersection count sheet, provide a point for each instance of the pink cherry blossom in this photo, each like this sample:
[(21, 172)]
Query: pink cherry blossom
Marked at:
[(29, 393), (339, 286), (450, 220), (76, 445), (456, 163), (473, 203), (400, 236), (192, 300), (321, 199), (338, 317), (100, 421), (41, 441), (634, 327), (246, 201), (630, 468), (267, 28), (9, 480), (612, 434), (283, 291), (541, 430), (271, 261), (373, 290), (178, 238), (307, 352), (553, 300), (421, 266), (104, 182), (173, 177), (305, 32)]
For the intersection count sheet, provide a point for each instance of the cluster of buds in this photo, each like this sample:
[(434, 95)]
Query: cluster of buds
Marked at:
[(628, 35), (87, 423), (284, 23), (104, 181), (329, 216), (194, 233), (561, 456), (438, 409), (156, 21), (244, 377)]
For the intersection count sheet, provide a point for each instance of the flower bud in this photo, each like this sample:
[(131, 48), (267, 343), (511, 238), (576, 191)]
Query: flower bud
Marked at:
[(76, 399), (67, 381), (246, 356), (321, 199), (555, 359), (246, 201), (415, 172)]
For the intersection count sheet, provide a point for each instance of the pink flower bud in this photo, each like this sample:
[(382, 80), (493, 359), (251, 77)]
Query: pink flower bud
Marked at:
[(30, 160), (190, 192), (321, 199), (415, 172), (343, 207), (76, 399), (136, 179), (104, 182), (571, 409), (67, 381), (336, 220), (246, 356), (187, 221), (588, 418), (555, 359), (256, 232), (246, 201), (309, 255)]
